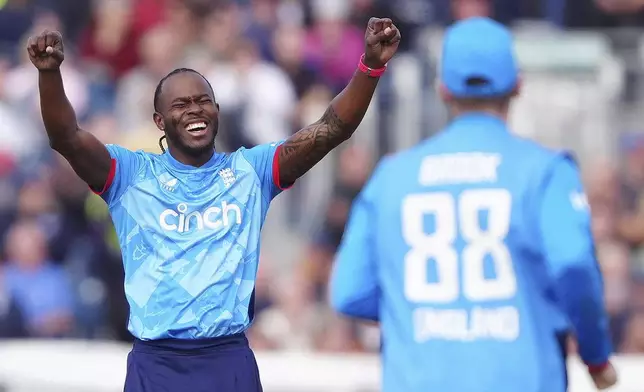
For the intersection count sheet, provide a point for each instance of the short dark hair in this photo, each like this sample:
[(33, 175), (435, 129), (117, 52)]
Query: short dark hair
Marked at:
[(159, 89)]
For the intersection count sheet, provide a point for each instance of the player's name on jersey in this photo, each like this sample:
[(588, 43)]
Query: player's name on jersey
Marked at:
[(461, 168), (478, 323)]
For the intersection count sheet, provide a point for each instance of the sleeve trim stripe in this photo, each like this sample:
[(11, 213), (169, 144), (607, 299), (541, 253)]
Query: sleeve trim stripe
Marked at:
[(276, 170), (110, 179)]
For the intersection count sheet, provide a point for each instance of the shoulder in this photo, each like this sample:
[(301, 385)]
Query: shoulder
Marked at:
[(380, 178), (241, 161), (242, 156), (408, 161), (537, 150), (259, 154), (550, 159), (117, 151)]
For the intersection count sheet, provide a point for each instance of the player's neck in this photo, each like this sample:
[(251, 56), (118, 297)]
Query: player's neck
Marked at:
[(493, 112), (196, 160)]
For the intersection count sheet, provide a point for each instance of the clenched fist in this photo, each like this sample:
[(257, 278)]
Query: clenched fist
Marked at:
[(46, 50), (381, 42)]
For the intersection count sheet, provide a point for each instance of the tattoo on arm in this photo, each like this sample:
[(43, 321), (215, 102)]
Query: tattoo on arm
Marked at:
[(308, 146)]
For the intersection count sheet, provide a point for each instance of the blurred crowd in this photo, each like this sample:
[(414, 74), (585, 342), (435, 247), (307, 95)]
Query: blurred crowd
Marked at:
[(274, 66)]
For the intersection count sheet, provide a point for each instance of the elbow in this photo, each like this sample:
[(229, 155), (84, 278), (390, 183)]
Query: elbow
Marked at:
[(55, 144), (340, 302), (362, 308), (580, 286)]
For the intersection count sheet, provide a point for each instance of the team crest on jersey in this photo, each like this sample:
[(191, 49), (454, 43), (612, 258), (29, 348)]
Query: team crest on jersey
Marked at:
[(227, 176)]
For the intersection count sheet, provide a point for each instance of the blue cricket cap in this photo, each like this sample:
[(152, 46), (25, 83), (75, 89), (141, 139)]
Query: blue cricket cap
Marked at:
[(478, 59)]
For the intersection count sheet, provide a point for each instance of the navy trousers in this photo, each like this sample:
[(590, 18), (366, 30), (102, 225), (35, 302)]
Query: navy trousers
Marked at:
[(212, 365)]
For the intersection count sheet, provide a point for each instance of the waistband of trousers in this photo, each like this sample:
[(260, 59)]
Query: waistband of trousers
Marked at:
[(191, 346)]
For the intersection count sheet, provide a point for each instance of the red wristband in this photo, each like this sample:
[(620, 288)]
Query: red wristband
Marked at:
[(597, 368), (374, 73)]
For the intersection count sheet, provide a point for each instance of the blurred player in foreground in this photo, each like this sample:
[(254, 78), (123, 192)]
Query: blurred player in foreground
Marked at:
[(189, 219), (473, 249)]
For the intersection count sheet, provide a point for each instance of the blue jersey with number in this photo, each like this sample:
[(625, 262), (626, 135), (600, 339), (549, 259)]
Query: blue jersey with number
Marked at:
[(190, 238), (474, 252)]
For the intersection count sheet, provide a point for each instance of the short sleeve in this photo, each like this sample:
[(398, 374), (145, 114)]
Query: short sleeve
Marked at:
[(125, 166), (264, 160), (565, 214)]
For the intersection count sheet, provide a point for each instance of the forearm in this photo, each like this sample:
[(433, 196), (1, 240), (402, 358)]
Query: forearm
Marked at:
[(581, 291), (57, 112), (309, 145), (352, 103)]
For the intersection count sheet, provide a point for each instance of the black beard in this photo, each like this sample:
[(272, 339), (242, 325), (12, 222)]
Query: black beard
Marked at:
[(174, 140)]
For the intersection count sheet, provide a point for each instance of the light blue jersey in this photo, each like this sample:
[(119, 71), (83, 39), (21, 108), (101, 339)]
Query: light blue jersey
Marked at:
[(474, 252), (190, 239), (473, 249)]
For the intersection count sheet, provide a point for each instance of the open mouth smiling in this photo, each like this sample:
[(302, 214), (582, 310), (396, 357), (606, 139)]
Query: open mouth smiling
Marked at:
[(197, 127)]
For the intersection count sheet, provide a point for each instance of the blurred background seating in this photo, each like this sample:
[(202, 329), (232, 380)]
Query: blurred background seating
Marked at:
[(275, 65)]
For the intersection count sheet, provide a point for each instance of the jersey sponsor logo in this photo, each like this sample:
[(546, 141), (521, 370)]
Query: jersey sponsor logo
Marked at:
[(183, 220)]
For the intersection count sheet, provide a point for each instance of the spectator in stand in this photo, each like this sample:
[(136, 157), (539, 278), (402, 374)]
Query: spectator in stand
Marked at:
[(332, 26), (11, 320), (159, 50), (630, 225), (42, 290)]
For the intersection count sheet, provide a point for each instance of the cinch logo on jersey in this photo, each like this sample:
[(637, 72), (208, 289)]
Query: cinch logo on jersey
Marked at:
[(213, 218)]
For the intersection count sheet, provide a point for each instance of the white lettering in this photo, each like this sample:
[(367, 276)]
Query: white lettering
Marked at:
[(461, 168), (460, 267), (197, 216), (479, 323), (212, 218), (211, 224), (163, 220)]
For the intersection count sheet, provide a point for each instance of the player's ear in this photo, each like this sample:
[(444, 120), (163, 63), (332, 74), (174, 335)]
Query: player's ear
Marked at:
[(158, 120)]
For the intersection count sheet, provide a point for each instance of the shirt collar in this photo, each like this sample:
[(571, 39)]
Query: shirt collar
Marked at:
[(478, 119), (213, 161)]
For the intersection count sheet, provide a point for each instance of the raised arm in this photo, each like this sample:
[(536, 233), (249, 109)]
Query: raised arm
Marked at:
[(87, 155), (308, 146)]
